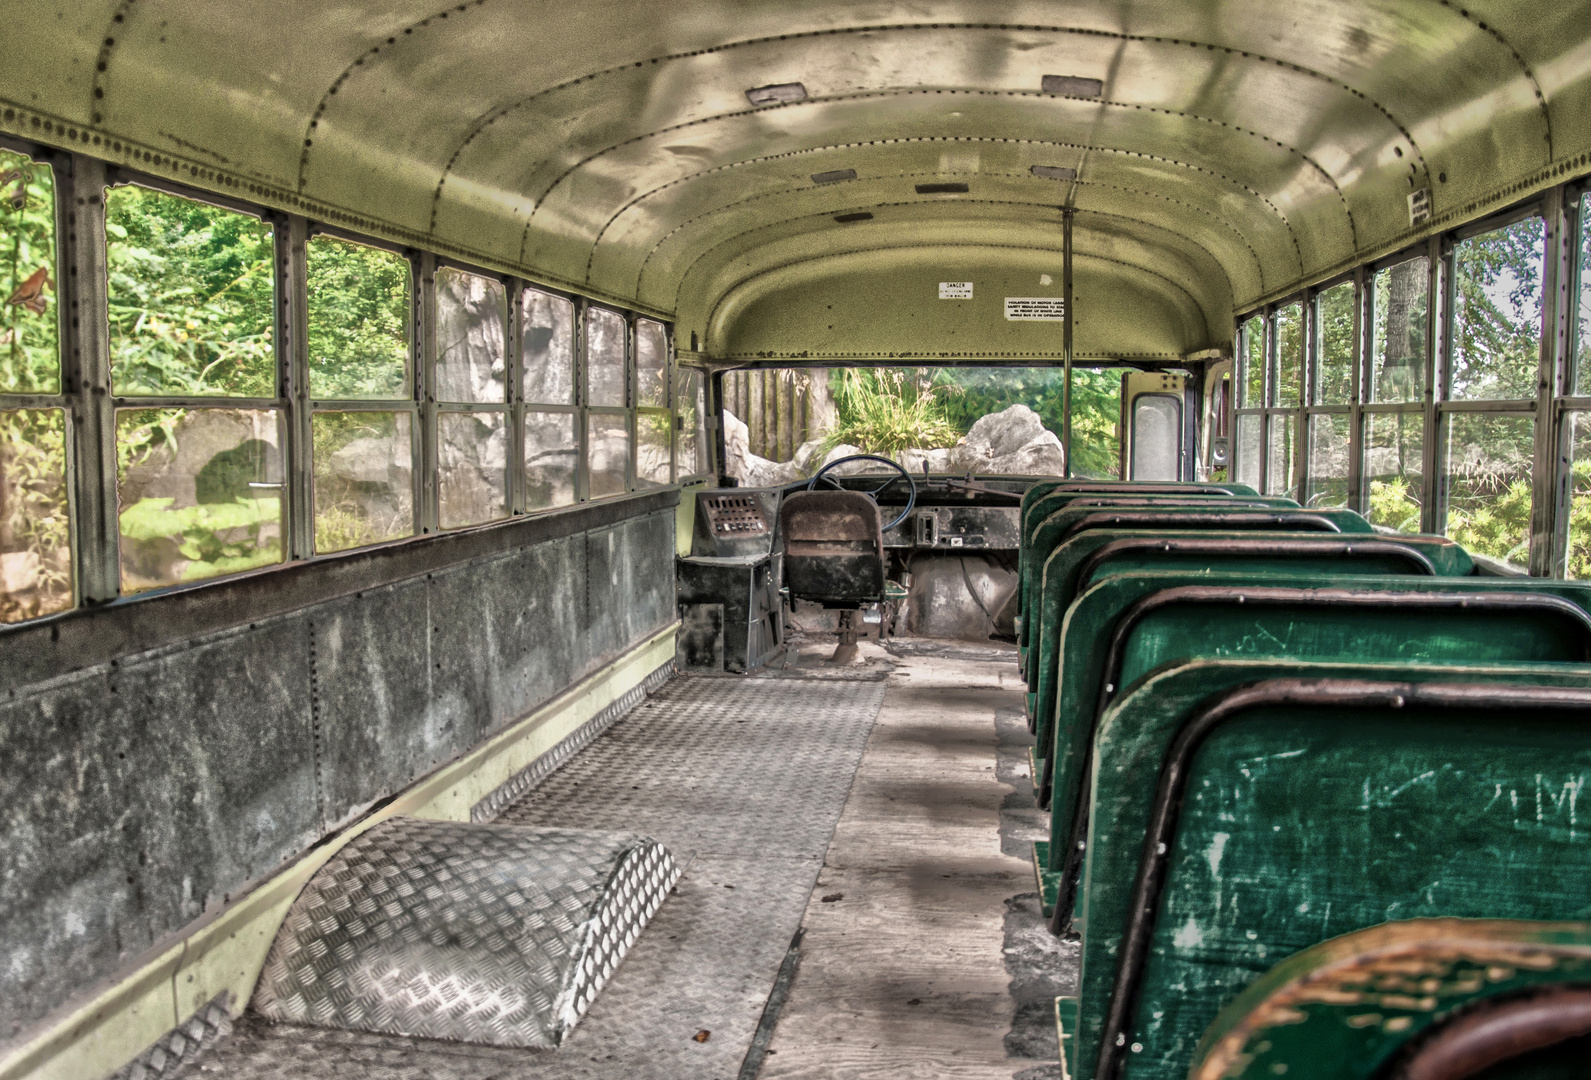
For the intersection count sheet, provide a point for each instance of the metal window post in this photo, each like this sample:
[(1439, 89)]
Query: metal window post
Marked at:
[(1357, 383), (1310, 341), (1549, 512), (513, 339), (1433, 514), (1267, 394), (292, 371), (86, 380), (426, 511), (582, 401)]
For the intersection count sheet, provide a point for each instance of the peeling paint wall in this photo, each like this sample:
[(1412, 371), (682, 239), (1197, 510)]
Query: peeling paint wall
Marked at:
[(146, 785)]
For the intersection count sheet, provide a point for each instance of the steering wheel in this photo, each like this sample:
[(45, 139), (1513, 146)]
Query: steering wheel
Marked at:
[(911, 498)]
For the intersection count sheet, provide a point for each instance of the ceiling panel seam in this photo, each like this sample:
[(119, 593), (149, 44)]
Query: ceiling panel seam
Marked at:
[(1292, 235), (347, 72), (1541, 99), (498, 112), (1190, 241), (102, 62), (1198, 309), (1353, 231), (641, 272), (740, 113)]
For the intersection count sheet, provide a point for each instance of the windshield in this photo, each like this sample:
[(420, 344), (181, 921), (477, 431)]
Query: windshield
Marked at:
[(782, 424)]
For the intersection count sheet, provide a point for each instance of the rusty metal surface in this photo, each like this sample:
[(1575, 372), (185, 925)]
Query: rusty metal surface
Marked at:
[(833, 546), (1496, 1032)]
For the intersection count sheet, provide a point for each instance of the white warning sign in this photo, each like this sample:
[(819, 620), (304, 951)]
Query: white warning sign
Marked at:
[(1020, 308), (955, 290)]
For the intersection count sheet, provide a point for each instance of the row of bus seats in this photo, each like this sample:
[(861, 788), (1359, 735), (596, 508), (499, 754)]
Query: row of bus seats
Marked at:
[(1314, 791)]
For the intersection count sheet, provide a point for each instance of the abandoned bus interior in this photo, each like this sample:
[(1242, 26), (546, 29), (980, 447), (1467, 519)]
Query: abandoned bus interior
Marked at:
[(1043, 540)]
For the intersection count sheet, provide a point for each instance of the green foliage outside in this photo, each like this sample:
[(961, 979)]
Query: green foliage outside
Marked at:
[(887, 410), (215, 538), (358, 320), (1497, 315), (34, 524), (191, 297)]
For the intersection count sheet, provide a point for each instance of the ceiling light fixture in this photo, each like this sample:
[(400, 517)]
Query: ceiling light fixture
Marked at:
[(777, 94), (1073, 86), (833, 176), (860, 215), (1054, 172), (941, 189)]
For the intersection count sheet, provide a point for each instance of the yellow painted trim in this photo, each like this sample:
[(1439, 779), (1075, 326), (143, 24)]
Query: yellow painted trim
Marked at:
[(225, 952)]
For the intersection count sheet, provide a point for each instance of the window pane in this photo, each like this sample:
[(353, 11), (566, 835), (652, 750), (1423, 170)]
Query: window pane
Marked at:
[(1251, 359), (469, 337), (1246, 463), (1497, 313), (200, 492), (35, 533), (1488, 484), (364, 479), (358, 321), (651, 364), (608, 454), (548, 353), (1156, 437), (1394, 469), (551, 448), (1580, 495), (1398, 360), (1289, 354), (472, 461), (604, 357), (1328, 460), (29, 357), (690, 438), (1284, 452), (654, 446), (1335, 310), (192, 297)]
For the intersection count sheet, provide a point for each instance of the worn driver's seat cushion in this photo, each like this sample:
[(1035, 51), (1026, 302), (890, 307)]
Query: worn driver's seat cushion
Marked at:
[(833, 547)]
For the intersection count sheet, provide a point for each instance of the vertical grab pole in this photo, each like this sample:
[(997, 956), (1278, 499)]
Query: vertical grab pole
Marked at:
[(1066, 337)]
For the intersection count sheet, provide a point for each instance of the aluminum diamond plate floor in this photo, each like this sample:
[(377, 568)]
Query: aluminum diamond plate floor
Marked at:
[(743, 779)]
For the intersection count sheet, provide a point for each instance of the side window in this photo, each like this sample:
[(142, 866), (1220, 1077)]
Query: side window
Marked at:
[(359, 356), (192, 302), (547, 361), (471, 389), (35, 529)]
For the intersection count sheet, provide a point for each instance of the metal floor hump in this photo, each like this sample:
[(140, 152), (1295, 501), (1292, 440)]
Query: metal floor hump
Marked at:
[(743, 780), (493, 934)]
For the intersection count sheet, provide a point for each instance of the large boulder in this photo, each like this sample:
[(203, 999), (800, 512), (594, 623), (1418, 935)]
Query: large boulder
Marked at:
[(1014, 441), (750, 469)]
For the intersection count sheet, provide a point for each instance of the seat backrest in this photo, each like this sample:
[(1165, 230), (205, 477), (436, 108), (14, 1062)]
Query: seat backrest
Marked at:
[(1245, 812), (833, 547), (1304, 558)]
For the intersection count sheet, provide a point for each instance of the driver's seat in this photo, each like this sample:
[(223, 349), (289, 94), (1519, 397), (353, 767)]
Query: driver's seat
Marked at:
[(833, 548)]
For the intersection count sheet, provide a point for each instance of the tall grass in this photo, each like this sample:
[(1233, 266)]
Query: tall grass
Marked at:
[(887, 410)]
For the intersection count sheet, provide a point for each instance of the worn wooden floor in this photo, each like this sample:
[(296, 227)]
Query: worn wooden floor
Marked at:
[(902, 971)]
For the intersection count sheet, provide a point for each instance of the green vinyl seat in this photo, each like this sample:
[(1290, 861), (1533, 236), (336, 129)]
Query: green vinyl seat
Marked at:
[(1306, 558), (1229, 516), (1128, 626), (1248, 810), (1507, 997)]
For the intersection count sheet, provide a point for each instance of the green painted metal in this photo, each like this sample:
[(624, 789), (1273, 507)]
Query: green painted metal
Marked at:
[(1342, 1010), (1227, 515), (1236, 625), (1061, 581), (1047, 880), (1037, 540), (1300, 824)]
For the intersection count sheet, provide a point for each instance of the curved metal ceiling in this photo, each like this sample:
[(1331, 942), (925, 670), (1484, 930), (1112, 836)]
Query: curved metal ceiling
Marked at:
[(1235, 150)]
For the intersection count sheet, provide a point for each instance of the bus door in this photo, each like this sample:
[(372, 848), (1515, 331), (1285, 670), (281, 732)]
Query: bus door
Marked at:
[(1154, 426)]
